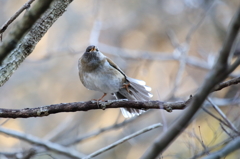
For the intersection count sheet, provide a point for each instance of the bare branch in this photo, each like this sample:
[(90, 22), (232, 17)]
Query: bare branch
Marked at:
[(22, 27), (9, 21), (224, 116), (44, 143), (230, 147), (99, 131), (183, 51), (90, 105), (214, 116), (200, 21), (211, 149), (85, 106), (227, 83), (223, 128), (154, 126), (154, 56), (30, 40), (216, 75)]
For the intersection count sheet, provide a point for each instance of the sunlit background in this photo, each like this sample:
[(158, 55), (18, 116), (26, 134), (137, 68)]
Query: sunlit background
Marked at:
[(148, 40)]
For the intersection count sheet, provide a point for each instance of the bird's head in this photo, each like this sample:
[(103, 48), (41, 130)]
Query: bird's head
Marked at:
[(92, 57), (91, 49)]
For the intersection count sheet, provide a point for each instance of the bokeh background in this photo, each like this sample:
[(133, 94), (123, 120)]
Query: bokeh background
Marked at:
[(147, 39)]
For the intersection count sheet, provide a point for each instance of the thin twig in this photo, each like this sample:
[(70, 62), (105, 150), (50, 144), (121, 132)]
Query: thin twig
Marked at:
[(210, 149), (224, 116), (230, 147), (223, 128), (182, 50), (154, 126), (200, 21), (201, 141), (4, 122), (61, 127), (214, 116), (33, 36), (44, 143), (172, 37), (9, 21), (164, 120), (102, 130), (22, 27), (216, 75)]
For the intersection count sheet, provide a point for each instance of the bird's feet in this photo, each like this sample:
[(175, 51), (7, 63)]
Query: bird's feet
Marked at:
[(125, 85), (100, 99)]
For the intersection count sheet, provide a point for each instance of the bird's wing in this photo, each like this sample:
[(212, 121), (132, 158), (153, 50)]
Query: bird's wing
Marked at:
[(111, 63)]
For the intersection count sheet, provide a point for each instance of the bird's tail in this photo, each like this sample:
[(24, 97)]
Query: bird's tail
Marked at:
[(137, 91)]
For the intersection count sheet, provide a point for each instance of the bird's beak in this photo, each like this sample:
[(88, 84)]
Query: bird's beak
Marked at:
[(93, 49)]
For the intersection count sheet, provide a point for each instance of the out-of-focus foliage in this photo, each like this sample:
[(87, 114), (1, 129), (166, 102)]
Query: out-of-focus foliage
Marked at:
[(50, 75)]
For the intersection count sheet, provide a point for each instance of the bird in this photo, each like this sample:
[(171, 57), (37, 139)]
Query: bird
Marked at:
[(99, 73)]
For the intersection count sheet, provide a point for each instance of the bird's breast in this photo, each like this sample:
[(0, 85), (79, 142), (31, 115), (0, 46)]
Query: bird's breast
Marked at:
[(105, 79)]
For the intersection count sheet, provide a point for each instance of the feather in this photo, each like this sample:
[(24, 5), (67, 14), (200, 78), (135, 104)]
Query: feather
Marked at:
[(128, 112), (137, 91)]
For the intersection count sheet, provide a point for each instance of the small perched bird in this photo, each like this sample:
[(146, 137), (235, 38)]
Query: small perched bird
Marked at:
[(97, 72)]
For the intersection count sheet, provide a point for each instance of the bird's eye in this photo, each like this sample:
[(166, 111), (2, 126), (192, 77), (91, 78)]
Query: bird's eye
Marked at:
[(88, 50), (96, 49)]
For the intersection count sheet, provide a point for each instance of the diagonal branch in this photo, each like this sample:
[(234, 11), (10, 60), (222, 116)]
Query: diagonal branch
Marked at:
[(154, 126), (217, 74), (229, 123), (99, 131), (22, 27), (44, 143), (7, 23), (230, 147), (227, 83), (30, 40)]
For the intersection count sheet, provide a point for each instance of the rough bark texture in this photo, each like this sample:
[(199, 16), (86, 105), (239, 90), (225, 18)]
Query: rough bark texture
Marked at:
[(22, 26), (85, 106), (28, 43)]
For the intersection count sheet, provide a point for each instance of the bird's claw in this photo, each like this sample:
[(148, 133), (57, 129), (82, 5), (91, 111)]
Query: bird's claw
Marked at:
[(103, 106), (125, 85)]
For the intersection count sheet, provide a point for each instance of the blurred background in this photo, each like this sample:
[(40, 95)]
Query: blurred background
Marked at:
[(169, 44)]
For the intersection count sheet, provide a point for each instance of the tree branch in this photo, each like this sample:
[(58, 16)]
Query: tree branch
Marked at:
[(229, 123), (22, 27), (230, 147), (7, 23), (85, 106), (154, 56), (217, 74), (154, 126), (44, 143), (30, 40), (99, 131), (90, 105), (227, 83)]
